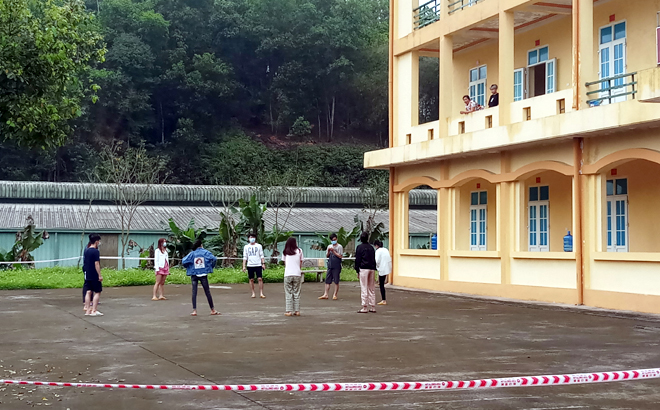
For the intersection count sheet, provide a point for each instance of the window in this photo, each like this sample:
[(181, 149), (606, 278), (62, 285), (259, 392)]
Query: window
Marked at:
[(518, 84), (612, 57), (478, 220), (408, 138), (539, 78), (539, 219), (478, 85), (617, 215)]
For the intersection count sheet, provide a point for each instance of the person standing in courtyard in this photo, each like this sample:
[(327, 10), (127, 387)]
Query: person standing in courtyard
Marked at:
[(93, 277), (253, 260), (365, 266), (292, 256), (335, 255), (199, 263), (384, 268), (162, 268)]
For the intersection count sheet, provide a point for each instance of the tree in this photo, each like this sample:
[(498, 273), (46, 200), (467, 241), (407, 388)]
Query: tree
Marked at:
[(180, 241), (27, 241), (131, 172), (46, 49), (375, 199)]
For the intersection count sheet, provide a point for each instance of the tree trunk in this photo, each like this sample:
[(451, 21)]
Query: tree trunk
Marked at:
[(162, 124), (332, 120)]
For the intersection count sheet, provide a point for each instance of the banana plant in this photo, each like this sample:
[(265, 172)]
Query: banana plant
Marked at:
[(252, 216), (180, 241), (344, 238), (272, 239)]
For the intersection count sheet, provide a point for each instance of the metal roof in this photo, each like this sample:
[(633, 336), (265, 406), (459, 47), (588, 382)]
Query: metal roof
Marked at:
[(105, 218), (217, 194)]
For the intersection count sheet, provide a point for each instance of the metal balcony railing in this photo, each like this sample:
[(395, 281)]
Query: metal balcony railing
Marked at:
[(613, 89), (426, 14), (457, 5)]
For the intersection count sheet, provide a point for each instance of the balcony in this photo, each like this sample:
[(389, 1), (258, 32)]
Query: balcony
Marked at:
[(426, 14), (612, 89), (532, 120), (458, 5)]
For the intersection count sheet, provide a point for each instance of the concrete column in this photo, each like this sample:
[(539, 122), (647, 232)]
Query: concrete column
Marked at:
[(406, 96), (445, 100), (583, 51), (506, 210), (506, 65)]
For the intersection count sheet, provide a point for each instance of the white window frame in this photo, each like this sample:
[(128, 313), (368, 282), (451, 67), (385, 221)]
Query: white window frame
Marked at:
[(519, 84), (610, 47), (474, 85), (534, 222), (479, 225), (611, 228), (550, 75)]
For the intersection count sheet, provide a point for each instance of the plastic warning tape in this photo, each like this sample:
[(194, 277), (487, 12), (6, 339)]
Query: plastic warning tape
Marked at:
[(526, 381)]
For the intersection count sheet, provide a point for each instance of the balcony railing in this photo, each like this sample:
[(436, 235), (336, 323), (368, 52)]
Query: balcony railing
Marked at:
[(457, 5), (613, 89), (426, 14)]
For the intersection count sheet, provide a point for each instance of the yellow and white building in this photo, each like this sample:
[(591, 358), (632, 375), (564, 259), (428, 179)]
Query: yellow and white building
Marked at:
[(573, 145)]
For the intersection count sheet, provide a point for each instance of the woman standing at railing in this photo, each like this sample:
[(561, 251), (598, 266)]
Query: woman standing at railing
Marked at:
[(470, 105), (162, 268)]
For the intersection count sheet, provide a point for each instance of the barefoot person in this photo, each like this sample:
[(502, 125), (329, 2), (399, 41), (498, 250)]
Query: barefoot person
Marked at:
[(199, 263), (335, 254), (384, 268), (365, 266), (93, 277), (253, 259), (162, 268), (293, 258)]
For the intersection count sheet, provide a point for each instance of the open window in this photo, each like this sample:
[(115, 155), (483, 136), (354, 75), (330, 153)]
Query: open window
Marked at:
[(538, 78)]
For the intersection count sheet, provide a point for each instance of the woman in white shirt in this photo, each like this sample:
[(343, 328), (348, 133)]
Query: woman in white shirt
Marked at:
[(293, 258), (384, 268), (162, 268)]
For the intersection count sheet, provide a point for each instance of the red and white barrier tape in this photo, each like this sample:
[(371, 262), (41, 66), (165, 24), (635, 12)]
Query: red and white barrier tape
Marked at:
[(525, 381)]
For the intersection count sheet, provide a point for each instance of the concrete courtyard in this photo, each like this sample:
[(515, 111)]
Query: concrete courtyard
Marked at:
[(418, 337)]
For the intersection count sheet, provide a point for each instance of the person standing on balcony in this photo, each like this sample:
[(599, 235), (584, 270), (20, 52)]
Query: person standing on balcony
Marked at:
[(470, 105), (365, 266), (494, 99)]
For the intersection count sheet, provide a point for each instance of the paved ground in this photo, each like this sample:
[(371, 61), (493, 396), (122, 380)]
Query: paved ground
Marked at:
[(44, 335)]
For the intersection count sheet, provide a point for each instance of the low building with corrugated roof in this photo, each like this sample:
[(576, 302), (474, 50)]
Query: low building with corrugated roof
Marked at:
[(70, 211)]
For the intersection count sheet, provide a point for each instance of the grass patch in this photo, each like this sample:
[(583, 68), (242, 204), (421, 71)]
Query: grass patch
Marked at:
[(71, 277)]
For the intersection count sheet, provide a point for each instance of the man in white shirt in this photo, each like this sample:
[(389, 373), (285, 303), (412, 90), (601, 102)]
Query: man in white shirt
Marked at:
[(384, 268), (253, 257)]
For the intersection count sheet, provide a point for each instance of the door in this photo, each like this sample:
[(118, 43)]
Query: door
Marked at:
[(539, 227), (617, 223), (612, 55)]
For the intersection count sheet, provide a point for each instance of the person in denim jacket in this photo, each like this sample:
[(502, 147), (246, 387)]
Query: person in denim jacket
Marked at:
[(199, 263)]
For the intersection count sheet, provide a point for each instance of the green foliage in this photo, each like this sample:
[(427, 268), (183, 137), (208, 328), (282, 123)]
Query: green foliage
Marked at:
[(180, 241), (27, 241), (252, 217), (189, 80), (344, 238), (300, 128), (46, 49), (273, 238), (71, 277)]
